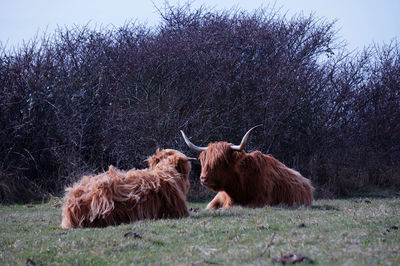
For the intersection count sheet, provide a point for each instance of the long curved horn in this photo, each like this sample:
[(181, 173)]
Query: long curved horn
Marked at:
[(244, 140), (191, 145)]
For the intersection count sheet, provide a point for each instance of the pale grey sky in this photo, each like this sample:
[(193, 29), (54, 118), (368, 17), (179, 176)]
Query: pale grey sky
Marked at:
[(360, 22)]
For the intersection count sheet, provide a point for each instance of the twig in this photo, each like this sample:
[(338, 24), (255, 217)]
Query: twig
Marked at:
[(270, 243), (265, 250)]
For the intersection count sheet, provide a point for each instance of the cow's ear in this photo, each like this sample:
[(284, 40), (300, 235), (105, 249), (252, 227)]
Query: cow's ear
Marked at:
[(181, 166), (231, 157), (152, 161)]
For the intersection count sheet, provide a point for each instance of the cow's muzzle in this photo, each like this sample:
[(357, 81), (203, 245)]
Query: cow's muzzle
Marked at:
[(204, 180)]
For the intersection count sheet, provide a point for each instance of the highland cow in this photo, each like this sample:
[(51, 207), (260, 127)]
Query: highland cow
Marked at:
[(249, 179), (117, 196)]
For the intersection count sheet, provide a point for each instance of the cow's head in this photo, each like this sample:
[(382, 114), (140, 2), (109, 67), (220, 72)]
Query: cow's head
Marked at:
[(172, 158), (218, 161)]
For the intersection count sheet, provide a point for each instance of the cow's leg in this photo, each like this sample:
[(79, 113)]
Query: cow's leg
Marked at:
[(221, 200)]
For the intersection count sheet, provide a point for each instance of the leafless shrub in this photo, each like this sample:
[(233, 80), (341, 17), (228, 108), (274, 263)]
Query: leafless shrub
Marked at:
[(82, 99)]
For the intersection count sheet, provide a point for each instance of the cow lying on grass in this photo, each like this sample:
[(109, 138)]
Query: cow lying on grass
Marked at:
[(117, 196), (249, 179)]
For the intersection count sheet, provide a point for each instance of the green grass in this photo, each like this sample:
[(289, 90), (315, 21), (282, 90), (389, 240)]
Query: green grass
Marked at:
[(335, 232)]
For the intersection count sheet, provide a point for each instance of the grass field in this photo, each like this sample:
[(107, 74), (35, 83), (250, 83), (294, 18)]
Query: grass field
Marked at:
[(331, 232)]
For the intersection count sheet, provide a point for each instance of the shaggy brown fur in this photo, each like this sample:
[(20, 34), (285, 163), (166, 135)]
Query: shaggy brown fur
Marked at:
[(116, 196), (250, 179)]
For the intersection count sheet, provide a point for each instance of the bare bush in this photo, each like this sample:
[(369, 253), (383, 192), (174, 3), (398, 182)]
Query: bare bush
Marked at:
[(82, 99)]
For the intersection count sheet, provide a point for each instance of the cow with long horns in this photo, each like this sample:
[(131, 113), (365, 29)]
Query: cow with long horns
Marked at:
[(249, 179)]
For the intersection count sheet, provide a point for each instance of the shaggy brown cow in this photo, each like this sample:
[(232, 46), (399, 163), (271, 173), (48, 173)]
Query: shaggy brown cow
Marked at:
[(249, 179), (116, 196)]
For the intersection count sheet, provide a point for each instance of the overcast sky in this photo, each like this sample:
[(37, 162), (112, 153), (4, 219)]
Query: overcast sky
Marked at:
[(360, 22)]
